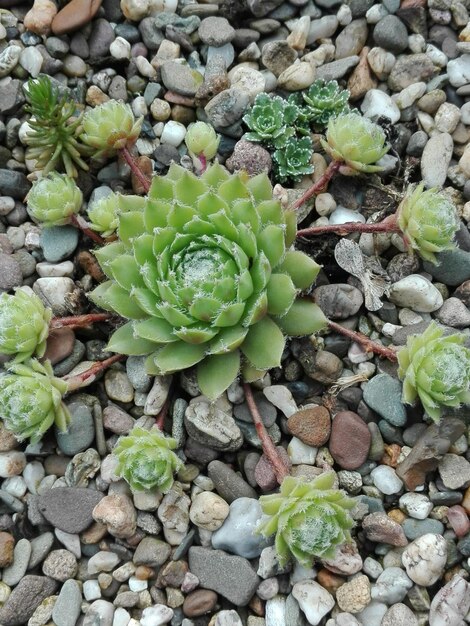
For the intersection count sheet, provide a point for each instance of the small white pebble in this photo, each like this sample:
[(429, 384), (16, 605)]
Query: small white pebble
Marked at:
[(173, 133), (136, 584), (120, 48), (91, 590)]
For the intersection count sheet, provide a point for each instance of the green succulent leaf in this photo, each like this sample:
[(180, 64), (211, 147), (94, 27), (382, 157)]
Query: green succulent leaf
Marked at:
[(303, 318), (216, 373), (124, 341), (301, 268), (264, 344)]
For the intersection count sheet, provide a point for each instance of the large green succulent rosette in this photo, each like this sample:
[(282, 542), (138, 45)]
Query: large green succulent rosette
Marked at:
[(435, 369), (24, 324), (206, 275), (309, 518), (31, 400), (146, 459), (429, 221)]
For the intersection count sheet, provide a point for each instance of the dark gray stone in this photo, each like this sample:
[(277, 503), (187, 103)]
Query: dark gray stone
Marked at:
[(25, 598), (81, 429), (14, 184), (453, 267), (69, 508), (228, 483), (230, 576), (390, 33), (101, 38), (12, 95), (383, 394)]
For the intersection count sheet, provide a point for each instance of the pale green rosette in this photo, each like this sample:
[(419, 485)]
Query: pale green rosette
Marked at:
[(146, 459), (103, 214), (207, 275), (53, 200), (110, 127), (435, 369), (429, 221), (201, 139), (24, 325), (31, 400), (309, 518), (357, 141)]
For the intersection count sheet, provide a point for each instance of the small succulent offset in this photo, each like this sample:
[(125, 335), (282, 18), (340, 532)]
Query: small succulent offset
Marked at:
[(435, 368), (429, 221), (271, 120), (31, 400), (146, 459), (324, 100), (201, 139), (104, 213), (24, 325), (110, 127), (53, 200), (205, 273), (356, 141), (309, 518), (53, 127), (294, 160)]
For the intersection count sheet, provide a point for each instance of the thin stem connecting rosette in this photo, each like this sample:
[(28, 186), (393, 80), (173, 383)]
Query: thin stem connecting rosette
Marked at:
[(206, 274), (146, 459), (435, 368), (309, 518), (31, 400)]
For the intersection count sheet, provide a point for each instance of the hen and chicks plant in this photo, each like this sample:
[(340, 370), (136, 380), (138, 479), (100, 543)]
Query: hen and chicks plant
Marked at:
[(54, 200)]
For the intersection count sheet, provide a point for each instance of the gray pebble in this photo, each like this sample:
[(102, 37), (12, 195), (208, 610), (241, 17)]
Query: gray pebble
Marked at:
[(338, 301), (383, 394), (236, 535), (81, 430), (67, 608), (390, 33), (60, 565), (25, 598), (58, 242), (10, 272), (453, 267), (415, 528), (21, 555), (14, 184), (228, 483), (337, 69), (69, 508), (216, 31)]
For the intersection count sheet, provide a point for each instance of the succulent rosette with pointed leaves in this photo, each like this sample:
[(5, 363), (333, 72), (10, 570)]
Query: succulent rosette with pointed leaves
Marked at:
[(270, 120), (146, 459), (324, 100), (24, 324), (356, 141), (104, 213), (429, 221), (31, 400), (109, 127), (436, 369), (53, 200), (206, 274), (294, 160), (309, 518), (201, 138)]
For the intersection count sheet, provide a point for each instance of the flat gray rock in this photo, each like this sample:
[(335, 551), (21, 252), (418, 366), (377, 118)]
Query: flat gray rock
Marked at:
[(25, 598), (69, 508)]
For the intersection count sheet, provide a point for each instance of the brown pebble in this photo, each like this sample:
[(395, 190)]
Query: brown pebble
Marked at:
[(391, 454), (56, 465), (312, 426), (380, 528), (397, 516), (89, 264), (257, 606), (331, 582), (143, 572), (264, 473), (466, 500), (74, 15), (361, 80), (7, 545), (146, 167), (349, 440), (94, 533), (199, 602), (172, 574), (59, 344)]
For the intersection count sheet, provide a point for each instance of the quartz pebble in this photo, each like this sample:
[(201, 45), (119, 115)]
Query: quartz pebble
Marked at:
[(314, 600), (425, 558), (451, 603)]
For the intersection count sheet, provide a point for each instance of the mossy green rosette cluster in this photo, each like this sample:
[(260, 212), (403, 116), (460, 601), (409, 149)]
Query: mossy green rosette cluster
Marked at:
[(53, 200), (146, 459), (436, 369), (309, 518), (31, 400), (206, 274), (429, 221), (110, 127), (24, 325), (356, 141), (271, 120), (324, 100)]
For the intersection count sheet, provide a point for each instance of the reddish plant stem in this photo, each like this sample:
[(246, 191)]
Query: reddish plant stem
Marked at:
[(364, 341), (77, 381), (78, 320), (388, 225), (280, 468), (320, 185), (144, 181), (82, 225)]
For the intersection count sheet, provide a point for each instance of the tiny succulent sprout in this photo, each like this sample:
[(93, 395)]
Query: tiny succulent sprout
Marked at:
[(436, 369), (324, 100), (309, 518), (206, 274), (355, 141), (24, 324), (110, 127), (102, 215), (146, 459), (270, 120), (201, 139), (429, 221), (52, 129), (294, 160), (31, 400), (54, 200)]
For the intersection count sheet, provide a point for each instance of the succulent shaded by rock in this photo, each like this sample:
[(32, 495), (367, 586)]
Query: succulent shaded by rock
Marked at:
[(24, 324), (429, 221), (309, 518), (206, 274), (201, 139), (270, 120), (31, 400), (53, 200), (53, 127), (294, 160), (110, 127), (104, 213), (435, 368), (146, 459), (356, 141), (323, 100)]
